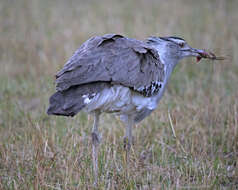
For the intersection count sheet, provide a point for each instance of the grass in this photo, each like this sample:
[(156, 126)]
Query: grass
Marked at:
[(189, 142)]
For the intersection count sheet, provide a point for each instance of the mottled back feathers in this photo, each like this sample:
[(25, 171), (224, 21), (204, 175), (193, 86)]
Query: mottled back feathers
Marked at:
[(115, 59)]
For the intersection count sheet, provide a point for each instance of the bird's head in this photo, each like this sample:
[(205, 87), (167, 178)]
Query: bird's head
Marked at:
[(175, 48)]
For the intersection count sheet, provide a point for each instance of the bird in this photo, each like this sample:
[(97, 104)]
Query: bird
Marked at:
[(116, 74)]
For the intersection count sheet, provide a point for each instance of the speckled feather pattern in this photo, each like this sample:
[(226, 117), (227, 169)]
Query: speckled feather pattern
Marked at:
[(115, 59), (100, 73)]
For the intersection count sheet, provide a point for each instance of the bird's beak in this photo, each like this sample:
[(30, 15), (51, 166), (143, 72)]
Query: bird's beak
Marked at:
[(199, 54)]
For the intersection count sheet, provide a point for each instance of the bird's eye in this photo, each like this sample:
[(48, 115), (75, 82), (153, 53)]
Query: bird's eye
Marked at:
[(181, 45)]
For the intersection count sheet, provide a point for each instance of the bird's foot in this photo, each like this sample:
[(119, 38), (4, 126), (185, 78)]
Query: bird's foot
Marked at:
[(95, 183), (95, 138), (128, 143)]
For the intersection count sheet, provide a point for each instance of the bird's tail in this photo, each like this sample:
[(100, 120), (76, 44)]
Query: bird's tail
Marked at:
[(70, 101), (65, 103)]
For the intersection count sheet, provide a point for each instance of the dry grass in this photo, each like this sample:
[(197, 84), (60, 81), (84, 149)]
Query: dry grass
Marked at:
[(201, 103)]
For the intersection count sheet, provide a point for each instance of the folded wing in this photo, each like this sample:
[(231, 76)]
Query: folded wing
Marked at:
[(114, 59)]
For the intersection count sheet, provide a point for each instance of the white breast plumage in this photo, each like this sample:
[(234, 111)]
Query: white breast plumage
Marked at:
[(119, 99)]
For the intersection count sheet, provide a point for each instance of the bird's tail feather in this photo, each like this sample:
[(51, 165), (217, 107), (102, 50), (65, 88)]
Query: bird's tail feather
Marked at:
[(70, 101), (62, 103)]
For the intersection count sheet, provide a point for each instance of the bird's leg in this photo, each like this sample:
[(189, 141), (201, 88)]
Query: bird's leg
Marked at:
[(95, 144), (128, 137)]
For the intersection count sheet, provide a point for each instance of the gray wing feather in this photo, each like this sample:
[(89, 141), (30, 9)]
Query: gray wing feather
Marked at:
[(115, 59)]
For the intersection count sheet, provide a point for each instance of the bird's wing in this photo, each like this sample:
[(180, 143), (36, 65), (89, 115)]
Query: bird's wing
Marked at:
[(115, 59)]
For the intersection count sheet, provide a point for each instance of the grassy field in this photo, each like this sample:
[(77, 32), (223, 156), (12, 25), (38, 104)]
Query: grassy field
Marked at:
[(201, 103)]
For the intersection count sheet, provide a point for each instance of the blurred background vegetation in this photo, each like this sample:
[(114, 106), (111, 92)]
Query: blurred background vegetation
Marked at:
[(201, 103)]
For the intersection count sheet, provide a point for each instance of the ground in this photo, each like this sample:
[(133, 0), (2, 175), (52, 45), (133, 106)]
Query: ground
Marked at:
[(190, 141)]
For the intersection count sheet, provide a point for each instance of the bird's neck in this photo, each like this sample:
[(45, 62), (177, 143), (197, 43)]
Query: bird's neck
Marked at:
[(169, 65), (167, 57), (168, 69)]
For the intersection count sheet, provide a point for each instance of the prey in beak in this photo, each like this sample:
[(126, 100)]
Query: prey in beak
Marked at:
[(204, 54)]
